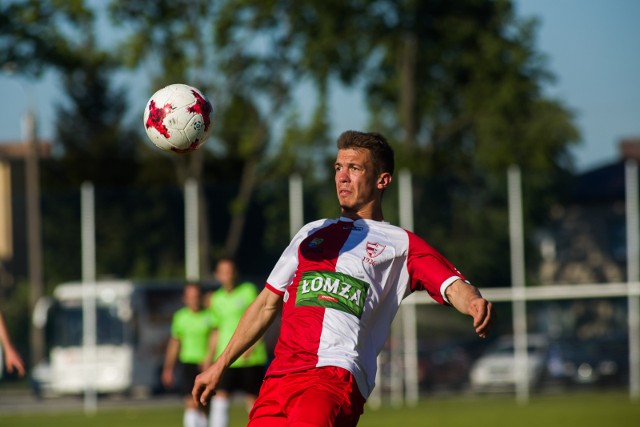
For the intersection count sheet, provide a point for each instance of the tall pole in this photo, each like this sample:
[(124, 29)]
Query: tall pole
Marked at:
[(89, 324), (633, 276), (192, 247), (516, 232), (296, 205), (34, 233), (408, 311)]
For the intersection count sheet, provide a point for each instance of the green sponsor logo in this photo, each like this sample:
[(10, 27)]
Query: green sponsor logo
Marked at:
[(332, 290)]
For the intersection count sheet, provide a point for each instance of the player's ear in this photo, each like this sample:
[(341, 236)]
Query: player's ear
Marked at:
[(384, 179)]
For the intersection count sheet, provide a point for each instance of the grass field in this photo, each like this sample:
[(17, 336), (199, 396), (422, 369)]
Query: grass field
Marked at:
[(584, 410)]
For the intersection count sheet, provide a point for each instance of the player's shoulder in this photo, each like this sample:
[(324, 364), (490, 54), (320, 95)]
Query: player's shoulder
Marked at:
[(246, 283), (387, 227), (317, 224), (247, 286), (390, 232), (181, 311), (404, 238), (313, 226), (419, 246), (180, 315)]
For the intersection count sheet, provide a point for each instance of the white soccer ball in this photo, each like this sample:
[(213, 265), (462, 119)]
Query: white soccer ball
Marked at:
[(177, 118)]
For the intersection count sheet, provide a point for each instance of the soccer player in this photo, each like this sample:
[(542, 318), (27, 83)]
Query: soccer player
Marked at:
[(12, 359), (339, 285), (227, 306), (191, 328)]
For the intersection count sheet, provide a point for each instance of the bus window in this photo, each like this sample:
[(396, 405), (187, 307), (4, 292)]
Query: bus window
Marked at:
[(67, 330), (110, 327), (68, 326)]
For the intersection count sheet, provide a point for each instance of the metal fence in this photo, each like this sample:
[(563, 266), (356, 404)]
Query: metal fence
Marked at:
[(400, 381)]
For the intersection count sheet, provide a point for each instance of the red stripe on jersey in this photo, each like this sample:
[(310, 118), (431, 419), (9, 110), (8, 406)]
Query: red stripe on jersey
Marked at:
[(302, 326), (274, 290), (428, 269)]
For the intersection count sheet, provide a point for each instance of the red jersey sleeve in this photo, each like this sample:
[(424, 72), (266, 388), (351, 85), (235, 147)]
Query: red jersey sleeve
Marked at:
[(429, 270)]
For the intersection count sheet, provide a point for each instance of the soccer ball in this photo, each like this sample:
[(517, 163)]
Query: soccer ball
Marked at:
[(177, 118)]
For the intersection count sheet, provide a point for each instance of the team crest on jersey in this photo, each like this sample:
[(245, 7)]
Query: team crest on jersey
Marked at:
[(315, 242), (331, 289), (374, 249)]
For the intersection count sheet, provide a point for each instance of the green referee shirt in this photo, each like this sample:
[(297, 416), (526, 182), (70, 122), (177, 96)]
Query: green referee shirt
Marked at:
[(226, 309), (192, 329)]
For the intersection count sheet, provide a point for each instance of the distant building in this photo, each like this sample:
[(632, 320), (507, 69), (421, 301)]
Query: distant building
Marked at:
[(18, 150), (13, 232), (585, 241)]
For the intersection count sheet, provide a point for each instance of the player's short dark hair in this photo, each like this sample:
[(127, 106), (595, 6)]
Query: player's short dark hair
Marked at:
[(381, 151), (193, 285), (226, 258)]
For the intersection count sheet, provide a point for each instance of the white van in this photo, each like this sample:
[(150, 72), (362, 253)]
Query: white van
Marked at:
[(495, 370), (133, 323)]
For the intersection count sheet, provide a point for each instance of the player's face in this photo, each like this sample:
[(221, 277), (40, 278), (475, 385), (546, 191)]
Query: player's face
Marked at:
[(193, 298), (226, 274), (356, 183)]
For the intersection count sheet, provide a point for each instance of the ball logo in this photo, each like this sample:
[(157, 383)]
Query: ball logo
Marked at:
[(156, 118), (203, 108)]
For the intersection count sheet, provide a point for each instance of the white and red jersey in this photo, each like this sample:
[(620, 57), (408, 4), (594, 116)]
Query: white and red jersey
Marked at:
[(342, 283)]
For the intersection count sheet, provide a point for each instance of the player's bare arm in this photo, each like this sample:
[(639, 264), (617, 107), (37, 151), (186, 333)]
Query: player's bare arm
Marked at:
[(171, 356), (12, 359), (467, 300), (213, 344), (253, 324)]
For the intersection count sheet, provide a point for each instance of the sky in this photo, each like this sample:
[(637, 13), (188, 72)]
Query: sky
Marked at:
[(592, 47)]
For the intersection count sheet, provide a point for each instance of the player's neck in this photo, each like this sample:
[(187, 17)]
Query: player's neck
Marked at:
[(371, 212)]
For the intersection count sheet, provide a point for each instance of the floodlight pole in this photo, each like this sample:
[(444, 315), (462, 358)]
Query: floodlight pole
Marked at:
[(633, 276), (296, 206), (516, 232), (89, 326), (34, 227), (192, 252), (408, 311)]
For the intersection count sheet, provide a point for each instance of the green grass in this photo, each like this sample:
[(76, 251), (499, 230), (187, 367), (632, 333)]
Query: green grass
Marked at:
[(144, 417), (584, 410)]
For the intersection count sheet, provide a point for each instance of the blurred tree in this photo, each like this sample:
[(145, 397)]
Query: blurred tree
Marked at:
[(469, 89), (456, 86), (35, 34), (92, 143)]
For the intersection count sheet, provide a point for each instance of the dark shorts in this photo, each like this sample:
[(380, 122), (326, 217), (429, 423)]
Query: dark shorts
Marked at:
[(188, 373), (248, 380)]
